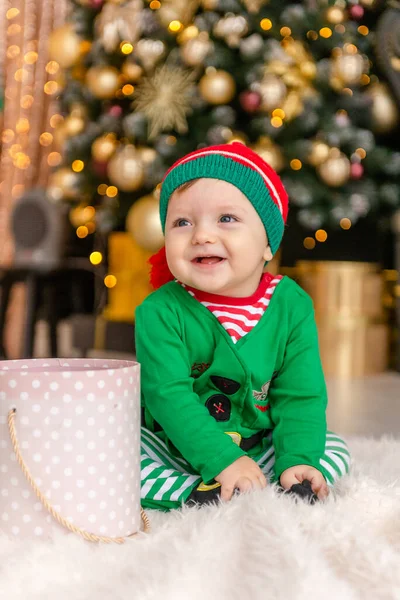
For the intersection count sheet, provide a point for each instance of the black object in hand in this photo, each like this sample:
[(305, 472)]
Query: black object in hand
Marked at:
[(304, 490)]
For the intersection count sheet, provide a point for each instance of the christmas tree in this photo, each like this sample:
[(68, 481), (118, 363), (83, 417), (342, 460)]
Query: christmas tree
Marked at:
[(146, 82)]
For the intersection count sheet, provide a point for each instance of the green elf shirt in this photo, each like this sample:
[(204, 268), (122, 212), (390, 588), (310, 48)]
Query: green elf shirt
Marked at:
[(189, 363)]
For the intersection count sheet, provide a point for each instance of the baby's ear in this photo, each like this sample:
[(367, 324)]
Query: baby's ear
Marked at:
[(267, 256)]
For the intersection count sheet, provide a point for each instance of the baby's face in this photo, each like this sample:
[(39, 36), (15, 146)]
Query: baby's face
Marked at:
[(215, 240)]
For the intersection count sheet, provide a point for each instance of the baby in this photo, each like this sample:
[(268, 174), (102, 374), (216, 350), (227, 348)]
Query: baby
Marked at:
[(233, 391)]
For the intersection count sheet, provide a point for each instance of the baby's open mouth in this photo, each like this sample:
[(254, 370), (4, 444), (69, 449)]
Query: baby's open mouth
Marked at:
[(208, 260)]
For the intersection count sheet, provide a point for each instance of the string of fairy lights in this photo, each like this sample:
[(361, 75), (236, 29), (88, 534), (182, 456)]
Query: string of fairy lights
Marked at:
[(29, 68)]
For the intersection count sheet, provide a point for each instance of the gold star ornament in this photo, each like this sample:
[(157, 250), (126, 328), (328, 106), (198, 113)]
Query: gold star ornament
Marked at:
[(165, 99)]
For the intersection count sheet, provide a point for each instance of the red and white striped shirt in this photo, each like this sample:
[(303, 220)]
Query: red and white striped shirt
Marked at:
[(239, 315)]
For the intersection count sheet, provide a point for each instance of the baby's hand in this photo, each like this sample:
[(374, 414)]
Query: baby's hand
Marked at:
[(298, 473), (244, 474)]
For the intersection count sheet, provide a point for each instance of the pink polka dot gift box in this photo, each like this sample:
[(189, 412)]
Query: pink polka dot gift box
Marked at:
[(70, 448)]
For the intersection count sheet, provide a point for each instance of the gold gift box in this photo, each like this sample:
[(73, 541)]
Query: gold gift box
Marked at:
[(128, 263), (351, 319)]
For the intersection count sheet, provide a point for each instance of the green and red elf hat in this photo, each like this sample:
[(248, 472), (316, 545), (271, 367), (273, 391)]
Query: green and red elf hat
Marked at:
[(243, 168)]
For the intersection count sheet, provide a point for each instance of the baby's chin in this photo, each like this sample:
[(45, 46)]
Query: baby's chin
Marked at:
[(208, 288), (196, 284)]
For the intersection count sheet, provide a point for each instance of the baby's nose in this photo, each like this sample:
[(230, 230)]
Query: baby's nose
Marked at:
[(203, 235)]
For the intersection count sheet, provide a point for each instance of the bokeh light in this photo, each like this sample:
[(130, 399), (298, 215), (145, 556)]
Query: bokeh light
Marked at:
[(110, 281)]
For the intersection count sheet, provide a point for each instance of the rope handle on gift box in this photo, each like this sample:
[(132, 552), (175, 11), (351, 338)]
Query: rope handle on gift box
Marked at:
[(90, 537)]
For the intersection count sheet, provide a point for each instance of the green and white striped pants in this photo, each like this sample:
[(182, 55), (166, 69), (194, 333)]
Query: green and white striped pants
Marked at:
[(166, 480)]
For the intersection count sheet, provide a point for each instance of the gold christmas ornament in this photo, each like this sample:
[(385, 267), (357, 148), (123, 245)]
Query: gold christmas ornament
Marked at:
[(149, 52), (232, 28), (270, 152), (165, 99), (119, 22), (63, 185), (335, 171), (273, 92), (103, 81), (318, 154), (217, 87), (348, 68), (335, 15), (104, 147), (385, 114), (125, 169), (195, 51), (144, 225), (73, 125), (131, 71), (65, 46)]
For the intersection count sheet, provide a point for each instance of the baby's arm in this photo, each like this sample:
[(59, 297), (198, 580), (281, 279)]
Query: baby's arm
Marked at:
[(167, 388), (298, 395)]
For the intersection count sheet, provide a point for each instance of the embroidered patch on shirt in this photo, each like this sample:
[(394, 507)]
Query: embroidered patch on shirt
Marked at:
[(264, 391), (261, 396), (198, 368)]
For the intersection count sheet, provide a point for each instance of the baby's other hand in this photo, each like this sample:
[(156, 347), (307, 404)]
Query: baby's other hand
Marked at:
[(298, 473), (243, 474)]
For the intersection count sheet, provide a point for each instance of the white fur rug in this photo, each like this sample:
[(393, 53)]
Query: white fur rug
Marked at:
[(259, 546)]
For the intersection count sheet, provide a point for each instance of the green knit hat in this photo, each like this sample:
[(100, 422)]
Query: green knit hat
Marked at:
[(246, 170)]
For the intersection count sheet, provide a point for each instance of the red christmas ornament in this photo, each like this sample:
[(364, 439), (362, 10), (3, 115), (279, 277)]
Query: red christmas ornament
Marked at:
[(250, 101), (115, 111), (356, 12), (356, 170)]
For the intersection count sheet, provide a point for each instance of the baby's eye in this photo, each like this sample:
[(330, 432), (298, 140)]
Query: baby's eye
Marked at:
[(228, 219), (181, 223)]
